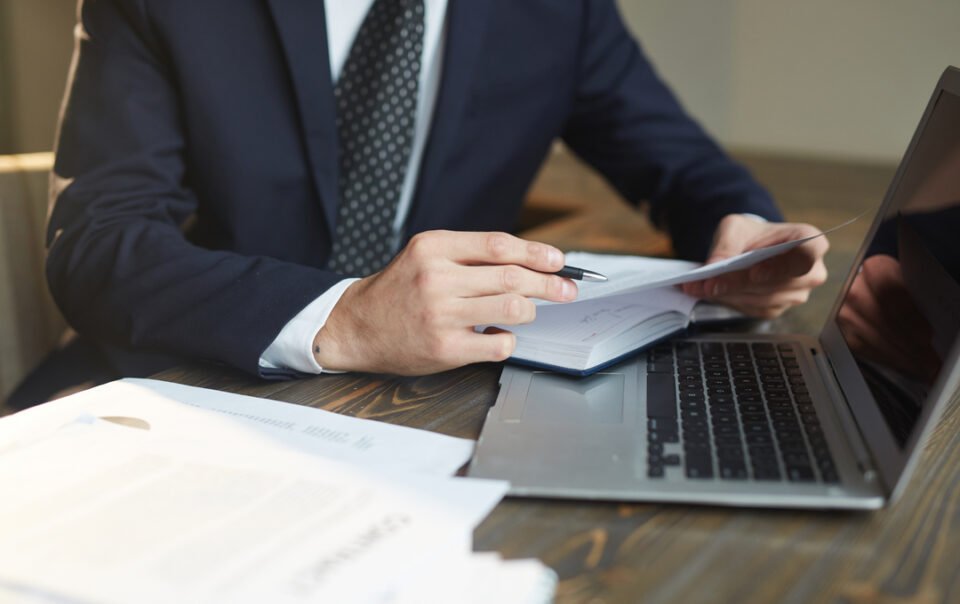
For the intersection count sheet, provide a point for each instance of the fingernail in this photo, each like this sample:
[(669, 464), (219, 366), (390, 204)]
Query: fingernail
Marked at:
[(719, 289), (555, 257), (569, 291)]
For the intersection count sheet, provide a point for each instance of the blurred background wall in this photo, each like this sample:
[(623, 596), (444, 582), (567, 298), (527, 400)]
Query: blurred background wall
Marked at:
[(840, 78), (36, 43), (835, 78)]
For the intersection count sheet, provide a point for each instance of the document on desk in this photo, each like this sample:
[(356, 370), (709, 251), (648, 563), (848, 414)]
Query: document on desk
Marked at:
[(633, 274), (480, 579), (189, 413), (94, 511)]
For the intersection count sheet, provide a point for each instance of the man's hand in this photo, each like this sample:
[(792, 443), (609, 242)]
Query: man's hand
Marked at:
[(767, 289), (417, 315)]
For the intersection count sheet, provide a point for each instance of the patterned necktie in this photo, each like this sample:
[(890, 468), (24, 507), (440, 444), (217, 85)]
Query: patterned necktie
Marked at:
[(376, 99)]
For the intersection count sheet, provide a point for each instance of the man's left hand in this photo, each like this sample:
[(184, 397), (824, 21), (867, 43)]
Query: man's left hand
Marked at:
[(769, 288)]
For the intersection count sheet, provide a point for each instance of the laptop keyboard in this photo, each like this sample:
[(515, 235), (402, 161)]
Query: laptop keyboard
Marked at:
[(734, 411)]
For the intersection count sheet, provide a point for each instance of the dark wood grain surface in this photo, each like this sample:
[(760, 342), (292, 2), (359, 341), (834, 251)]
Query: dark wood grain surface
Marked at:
[(605, 552)]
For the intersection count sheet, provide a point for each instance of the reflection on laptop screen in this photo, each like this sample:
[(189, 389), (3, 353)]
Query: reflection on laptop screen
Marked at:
[(902, 313)]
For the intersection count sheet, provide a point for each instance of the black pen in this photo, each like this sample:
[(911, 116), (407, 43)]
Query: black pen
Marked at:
[(580, 274)]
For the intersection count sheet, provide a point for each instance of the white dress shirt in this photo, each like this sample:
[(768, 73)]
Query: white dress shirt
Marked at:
[(293, 347)]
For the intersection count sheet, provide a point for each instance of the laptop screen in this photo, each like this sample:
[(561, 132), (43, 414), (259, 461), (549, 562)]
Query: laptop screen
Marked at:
[(901, 315)]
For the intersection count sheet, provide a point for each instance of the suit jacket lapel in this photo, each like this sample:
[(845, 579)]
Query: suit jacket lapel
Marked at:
[(466, 24), (301, 25)]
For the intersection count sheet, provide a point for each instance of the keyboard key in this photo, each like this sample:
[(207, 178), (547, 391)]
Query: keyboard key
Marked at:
[(697, 449), (726, 430), (800, 473), (659, 437), (759, 439), (730, 453), (728, 440), (766, 473), (830, 476), (762, 453), (724, 420), (671, 460), (699, 471), (796, 459), (660, 423), (655, 472), (733, 471), (661, 396), (810, 419)]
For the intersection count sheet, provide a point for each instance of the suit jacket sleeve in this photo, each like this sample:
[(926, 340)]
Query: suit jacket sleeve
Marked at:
[(119, 265), (628, 125)]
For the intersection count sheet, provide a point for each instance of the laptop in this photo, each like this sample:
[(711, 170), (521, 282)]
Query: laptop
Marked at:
[(833, 421)]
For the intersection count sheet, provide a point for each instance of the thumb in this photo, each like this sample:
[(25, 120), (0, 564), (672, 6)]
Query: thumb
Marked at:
[(726, 244)]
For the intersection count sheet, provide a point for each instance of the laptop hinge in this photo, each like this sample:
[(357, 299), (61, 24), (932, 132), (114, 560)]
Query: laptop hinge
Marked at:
[(847, 419)]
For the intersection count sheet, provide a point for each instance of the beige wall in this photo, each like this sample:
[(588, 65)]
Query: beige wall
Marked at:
[(842, 78), (847, 78), (36, 37)]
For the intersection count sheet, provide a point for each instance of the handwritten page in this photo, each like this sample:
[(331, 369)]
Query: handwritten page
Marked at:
[(584, 322), (188, 413)]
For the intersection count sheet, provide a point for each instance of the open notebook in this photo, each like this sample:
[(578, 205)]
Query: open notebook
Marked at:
[(637, 307)]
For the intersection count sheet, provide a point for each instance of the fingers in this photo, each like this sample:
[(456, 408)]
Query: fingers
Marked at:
[(490, 347), (766, 306), (486, 248), (801, 267), (743, 282), (465, 346), (492, 280), (795, 269), (504, 309)]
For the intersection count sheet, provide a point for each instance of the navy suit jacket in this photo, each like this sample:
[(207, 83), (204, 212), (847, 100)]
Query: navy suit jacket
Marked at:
[(196, 174)]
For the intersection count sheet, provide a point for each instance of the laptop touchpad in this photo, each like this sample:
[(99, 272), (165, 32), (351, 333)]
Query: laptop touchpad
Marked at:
[(553, 398)]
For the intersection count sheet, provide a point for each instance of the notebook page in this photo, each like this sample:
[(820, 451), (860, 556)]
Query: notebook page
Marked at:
[(593, 320)]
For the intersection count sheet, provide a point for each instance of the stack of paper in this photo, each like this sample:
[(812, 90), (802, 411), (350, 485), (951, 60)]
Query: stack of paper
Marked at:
[(144, 491)]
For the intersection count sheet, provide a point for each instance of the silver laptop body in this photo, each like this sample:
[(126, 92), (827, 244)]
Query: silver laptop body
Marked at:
[(874, 403)]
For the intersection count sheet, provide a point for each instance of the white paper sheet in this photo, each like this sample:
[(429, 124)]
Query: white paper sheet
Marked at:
[(94, 511), (632, 274), (189, 413), (481, 579)]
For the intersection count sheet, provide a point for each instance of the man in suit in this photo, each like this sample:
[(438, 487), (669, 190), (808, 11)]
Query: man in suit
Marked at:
[(234, 177)]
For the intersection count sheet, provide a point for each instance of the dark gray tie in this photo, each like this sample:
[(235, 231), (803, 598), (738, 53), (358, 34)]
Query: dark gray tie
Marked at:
[(376, 114)]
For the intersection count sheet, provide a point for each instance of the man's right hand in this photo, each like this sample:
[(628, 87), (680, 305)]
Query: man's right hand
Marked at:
[(417, 315)]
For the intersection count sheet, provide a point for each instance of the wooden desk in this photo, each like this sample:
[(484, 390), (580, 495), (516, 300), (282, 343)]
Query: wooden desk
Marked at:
[(607, 552)]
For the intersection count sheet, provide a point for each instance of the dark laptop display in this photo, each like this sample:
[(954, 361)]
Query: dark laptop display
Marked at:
[(901, 315)]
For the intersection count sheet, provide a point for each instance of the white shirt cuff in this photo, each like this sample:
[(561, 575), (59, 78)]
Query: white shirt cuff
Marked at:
[(293, 346), (755, 217)]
